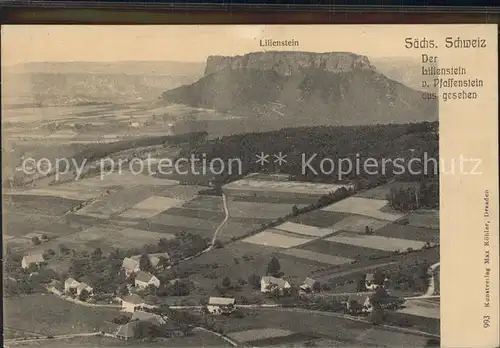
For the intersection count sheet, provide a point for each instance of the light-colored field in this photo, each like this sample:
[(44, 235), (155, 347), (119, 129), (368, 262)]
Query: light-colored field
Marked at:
[(358, 223), (364, 206), (63, 192), (276, 239), (93, 187), (313, 256), (259, 210), (421, 308), (281, 186), (151, 207), (376, 242), (183, 222), (259, 334), (305, 229)]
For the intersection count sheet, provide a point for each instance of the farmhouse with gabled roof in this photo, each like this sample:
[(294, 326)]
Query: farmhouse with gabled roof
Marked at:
[(269, 283), (35, 259), (144, 279), (130, 266), (220, 305)]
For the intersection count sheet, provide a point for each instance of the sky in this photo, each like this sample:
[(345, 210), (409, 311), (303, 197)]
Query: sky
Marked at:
[(25, 43)]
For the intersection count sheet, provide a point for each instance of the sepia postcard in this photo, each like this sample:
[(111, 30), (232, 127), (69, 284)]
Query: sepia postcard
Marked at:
[(250, 186)]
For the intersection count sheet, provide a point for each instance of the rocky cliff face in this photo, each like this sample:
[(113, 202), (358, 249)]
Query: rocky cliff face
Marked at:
[(302, 88), (289, 63)]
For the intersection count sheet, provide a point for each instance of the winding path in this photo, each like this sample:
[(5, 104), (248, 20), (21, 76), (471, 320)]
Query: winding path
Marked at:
[(219, 228)]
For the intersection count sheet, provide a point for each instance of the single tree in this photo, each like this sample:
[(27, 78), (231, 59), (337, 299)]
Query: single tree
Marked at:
[(97, 254), (163, 263), (35, 240), (254, 280), (226, 282), (84, 295), (316, 286), (295, 210), (274, 266), (145, 263)]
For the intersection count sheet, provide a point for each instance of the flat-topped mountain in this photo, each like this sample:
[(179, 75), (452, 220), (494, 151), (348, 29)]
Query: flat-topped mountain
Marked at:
[(300, 88), (289, 63)]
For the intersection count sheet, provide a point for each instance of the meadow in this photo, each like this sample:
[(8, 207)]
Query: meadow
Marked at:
[(46, 314)]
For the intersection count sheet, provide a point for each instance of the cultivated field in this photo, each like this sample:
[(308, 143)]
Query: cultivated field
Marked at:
[(150, 207), (376, 242), (38, 204), (259, 210), (313, 256), (381, 192), (183, 222), (364, 206), (410, 232), (291, 187), (319, 218), (305, 229), (424, 218), (45, 314), (357, 223), (259, 334), (346, 333), (236, 229), (276, 238), (205, 203), (421, 308)]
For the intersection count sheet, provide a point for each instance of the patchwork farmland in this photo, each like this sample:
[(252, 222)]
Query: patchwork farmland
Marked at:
[(335, 235)]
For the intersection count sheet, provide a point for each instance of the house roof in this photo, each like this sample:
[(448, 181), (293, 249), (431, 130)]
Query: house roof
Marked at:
[(370, 277), (71, 282), (130, 264), (358, 298), (84, 286), (223, 301), (309, 282), (144, 276), (281, 283), (146, 316), (134, 299), (35, 258), (127, 330)]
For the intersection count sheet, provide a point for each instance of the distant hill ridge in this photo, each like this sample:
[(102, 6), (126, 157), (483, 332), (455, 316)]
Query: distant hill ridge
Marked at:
[(336, 88), (69, 83)]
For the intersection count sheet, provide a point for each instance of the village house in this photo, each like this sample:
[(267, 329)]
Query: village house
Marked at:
[(309, 285), (73, 286), (381, 298), (370, 282), (35, 259), (131, 303), (70, 284), (220, 305), (357, 304), (130, 266), (128, 330), (144, 279), (269, 284), (83, 286)]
